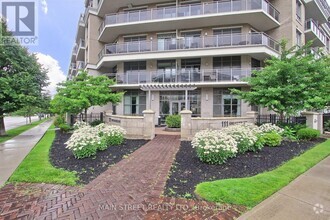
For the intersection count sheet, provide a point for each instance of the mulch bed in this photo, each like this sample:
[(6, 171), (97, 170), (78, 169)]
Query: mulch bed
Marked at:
[(188, 170), (89, 168)]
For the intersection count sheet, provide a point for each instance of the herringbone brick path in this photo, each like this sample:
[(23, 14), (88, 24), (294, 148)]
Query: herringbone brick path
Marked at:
[(130, 189)]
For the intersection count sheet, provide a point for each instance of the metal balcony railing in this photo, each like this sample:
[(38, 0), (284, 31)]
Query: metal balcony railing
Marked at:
[(324, 6), (191, 43), (184, 76), (311, 25), (190, 10), (75, 50)]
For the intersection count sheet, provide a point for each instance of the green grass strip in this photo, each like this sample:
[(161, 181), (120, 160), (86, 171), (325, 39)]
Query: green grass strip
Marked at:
[(251, 191), (36, 167), (19, 130)]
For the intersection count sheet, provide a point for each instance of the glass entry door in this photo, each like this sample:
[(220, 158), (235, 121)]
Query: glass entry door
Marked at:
[(177, 107)]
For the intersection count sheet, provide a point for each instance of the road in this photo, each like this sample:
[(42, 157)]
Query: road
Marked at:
[(14, 122)]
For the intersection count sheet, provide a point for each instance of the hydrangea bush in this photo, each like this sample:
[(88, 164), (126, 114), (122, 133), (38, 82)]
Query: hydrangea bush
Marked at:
[(214, 147), (87, 140), (270, 128), (112, 135), (84, 142), (80, 124), (244, 135)]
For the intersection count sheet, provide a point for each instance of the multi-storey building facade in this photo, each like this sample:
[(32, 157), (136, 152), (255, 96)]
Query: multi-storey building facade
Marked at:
[(187, 54)]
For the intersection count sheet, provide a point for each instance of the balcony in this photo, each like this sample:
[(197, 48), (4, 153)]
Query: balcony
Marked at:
[(318, 10), (315, 33), (80, 65), (259, 13), (81, 50), (73, 69), (202, 77), (258, 45), (74, 53)]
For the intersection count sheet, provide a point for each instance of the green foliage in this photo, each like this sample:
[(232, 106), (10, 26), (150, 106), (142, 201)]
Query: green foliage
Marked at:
[(293, 82), (308, 134), (272, 139), (173, 121), (60, 119), (65, 127), (36, 167), (259, 144), (251, 191), (22, 78), (114, 140), (82, 92), (289, 133), (95, 123), (88, 150), (327, 126)]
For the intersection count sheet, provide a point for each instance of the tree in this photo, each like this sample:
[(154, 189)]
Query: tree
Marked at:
[(293, 82), (83, 92), (21, 77)]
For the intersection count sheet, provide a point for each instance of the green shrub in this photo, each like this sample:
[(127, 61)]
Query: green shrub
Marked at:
[(95, 123), (173, 121), (308, 134), (259, 144), (289, 133), (86, 151), (272, 139), (59, 120), (65, 127), (327, 126)]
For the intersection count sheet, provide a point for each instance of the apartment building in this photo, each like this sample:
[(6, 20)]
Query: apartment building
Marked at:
[(186, 54)]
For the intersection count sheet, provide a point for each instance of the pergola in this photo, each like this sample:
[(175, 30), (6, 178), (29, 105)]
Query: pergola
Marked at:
[(168, 87)]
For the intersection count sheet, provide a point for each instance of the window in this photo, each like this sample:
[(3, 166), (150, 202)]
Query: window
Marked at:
[(226, 62), (134, 102), (298, 37), (135, 72), (225, 104), (298, 10)]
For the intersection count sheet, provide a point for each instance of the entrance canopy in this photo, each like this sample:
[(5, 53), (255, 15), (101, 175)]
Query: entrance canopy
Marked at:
[(168, 87)]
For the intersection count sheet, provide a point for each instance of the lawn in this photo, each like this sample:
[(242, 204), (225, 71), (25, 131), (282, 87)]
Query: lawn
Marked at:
[(253, 190), (17, 131), (36, 167)]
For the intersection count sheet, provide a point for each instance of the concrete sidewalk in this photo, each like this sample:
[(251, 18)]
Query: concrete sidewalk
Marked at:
[(307, 197), (13, 151)]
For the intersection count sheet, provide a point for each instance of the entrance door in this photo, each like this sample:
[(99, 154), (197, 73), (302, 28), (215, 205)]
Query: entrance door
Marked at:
[(177, 107)]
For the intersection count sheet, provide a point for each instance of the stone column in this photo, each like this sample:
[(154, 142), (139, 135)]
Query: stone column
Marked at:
[(149, 124), (186, 132), (314, 120), (253, 115)]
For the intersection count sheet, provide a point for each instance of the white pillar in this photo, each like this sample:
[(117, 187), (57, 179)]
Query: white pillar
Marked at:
[(314, 120)]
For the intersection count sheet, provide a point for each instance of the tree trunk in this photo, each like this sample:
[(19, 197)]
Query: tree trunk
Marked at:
[(30, 121), (2, 124)]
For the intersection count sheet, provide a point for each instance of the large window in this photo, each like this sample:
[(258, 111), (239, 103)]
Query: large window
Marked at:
[(225, 104), (134, 102), (134, 72), (298, 10), (298, 37)]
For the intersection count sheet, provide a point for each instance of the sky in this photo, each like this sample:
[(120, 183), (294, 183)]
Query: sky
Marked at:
[(58, 22)]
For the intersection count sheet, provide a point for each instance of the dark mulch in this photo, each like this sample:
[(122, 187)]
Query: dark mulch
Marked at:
[(188, 170), (89, 168)]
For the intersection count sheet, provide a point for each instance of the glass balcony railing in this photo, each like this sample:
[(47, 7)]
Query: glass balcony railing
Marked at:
[(80, 65), (190, 10), (184, 76), (82, 43), (311, 25), (191, 43)]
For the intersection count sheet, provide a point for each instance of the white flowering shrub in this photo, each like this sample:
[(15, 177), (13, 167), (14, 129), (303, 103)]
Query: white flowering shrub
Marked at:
[(84, 142), (214, 147), (244, 135), (271, 128), (80, 124), (87, 140), (111, 135)]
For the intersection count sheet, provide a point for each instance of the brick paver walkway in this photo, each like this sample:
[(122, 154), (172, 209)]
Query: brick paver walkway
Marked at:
[(130, 189)]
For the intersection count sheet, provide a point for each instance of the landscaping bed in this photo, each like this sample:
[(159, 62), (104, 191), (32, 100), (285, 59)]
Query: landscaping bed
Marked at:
[(89, 168), (188, 170)]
